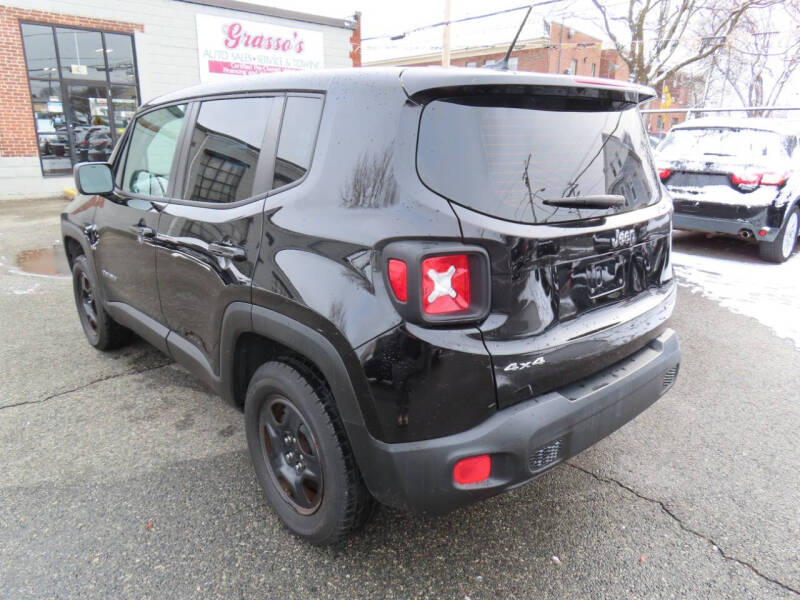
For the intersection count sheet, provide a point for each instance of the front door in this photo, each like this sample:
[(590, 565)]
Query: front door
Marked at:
[(208, 240), (89, 119), (127, 221)]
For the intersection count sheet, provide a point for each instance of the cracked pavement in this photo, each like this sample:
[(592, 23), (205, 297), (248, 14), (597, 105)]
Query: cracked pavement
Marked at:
[(123, 477)]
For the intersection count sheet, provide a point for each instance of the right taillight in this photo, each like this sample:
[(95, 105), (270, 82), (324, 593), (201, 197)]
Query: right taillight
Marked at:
[(772, 178)]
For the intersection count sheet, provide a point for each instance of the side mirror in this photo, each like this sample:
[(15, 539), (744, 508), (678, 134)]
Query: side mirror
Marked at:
[(93, 178)]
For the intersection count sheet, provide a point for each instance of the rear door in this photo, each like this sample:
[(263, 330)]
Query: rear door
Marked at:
[(209, 235), (560, 188)]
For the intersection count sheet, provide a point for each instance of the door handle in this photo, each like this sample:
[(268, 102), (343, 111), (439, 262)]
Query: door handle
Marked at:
[(143, 232), (227, 250)]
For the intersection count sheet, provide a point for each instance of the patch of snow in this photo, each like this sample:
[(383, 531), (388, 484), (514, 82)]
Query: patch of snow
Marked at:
[(767, 292), (14, 290)]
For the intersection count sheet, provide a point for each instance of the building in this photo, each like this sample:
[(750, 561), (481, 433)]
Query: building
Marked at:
[(681, 90), (74, 71), (560, 49)]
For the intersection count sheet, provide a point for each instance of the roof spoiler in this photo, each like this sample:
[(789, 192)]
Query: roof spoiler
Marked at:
[(423, 84)]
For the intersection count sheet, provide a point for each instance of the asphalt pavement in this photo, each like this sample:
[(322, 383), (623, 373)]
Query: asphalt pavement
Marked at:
[(122, 477)]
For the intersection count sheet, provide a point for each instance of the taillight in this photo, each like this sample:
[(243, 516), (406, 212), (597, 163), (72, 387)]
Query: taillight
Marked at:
[(472, 470), (663, 174), (438, 282), (398, 279), (773, 178), (746, 181), (445, 284)]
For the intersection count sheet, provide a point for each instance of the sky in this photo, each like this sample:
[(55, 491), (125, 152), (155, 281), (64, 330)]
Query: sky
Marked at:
[(381, 18)]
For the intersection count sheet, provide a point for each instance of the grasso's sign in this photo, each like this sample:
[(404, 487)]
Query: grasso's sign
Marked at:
[(235, 47)]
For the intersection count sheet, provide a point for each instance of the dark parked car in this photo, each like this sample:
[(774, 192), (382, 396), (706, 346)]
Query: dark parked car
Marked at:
[(738, 177), (422, 286), (99, 144)]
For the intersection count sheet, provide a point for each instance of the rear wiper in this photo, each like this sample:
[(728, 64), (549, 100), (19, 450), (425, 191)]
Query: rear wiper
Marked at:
[(716, 154), (596, 201)]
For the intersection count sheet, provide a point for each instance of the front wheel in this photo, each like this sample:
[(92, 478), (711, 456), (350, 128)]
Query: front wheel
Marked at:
[(783, 246), (301, 454), (102, 332)]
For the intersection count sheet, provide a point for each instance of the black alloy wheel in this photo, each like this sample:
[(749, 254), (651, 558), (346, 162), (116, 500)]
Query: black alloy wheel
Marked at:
[(292, 454), (102, 332), (301, 455), (88, 304)]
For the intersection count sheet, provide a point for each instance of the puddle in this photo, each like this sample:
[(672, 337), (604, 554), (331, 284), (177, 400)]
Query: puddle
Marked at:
[(44, 261)]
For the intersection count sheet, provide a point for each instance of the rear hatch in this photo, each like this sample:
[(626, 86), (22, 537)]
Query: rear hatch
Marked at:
[(731, 168), (558, 184)]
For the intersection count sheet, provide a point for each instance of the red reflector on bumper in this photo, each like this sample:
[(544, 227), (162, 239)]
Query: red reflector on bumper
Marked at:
[(473, 469)]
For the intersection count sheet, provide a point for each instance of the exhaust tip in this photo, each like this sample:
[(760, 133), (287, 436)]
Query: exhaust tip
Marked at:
[(746, 234)]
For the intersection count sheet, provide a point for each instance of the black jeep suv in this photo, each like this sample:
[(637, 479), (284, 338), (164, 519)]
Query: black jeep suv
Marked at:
[(423, 286)]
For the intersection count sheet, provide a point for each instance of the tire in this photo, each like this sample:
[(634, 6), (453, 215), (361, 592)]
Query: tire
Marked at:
[(101, 331), (301, 455), (783, 246)]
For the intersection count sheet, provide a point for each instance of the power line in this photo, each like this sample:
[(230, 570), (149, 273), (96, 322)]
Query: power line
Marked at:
[(400, 36)]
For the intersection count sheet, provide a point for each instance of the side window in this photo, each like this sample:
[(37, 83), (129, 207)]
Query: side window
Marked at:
[(151, 151), (298, 136), (225, 147)]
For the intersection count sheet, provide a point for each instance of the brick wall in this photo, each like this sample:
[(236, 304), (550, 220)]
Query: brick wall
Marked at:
[(612, 66), (566, 45), (553, 55), (17, 130), (355, 42)]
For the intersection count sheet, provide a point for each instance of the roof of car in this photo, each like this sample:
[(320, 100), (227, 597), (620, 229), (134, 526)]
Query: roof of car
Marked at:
[(763, 123), (413, 79)]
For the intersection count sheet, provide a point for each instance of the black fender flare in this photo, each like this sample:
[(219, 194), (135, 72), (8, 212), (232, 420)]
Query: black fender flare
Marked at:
[(240, 318), (73, 231)]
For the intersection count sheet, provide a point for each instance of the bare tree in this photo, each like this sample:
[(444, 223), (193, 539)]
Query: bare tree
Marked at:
[(761, 61), (657, 38)]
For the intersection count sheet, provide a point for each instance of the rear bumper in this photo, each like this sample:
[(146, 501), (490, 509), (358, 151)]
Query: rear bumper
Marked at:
[(524, 440), (705, 220)]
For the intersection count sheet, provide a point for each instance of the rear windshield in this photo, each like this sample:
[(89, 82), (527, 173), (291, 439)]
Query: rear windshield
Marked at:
[(508, 156), (750, 144)]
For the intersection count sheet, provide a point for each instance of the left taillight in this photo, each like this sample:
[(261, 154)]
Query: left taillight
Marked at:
[(398, 279), (438, 282)]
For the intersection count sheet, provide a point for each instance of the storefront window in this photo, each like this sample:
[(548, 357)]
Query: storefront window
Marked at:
[(83, 91), (40, 51), (119, 52), (80, 54)]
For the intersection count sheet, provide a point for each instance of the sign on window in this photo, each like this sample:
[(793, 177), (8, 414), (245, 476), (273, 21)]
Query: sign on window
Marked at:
[(230, 46)]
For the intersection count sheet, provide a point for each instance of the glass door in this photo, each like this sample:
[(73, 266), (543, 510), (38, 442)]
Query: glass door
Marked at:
[(89, 119)]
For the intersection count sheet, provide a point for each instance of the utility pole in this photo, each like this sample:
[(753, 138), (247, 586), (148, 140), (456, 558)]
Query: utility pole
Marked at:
[(446, 35)]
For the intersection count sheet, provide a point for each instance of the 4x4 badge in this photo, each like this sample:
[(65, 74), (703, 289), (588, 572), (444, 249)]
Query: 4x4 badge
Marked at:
[(515, 366)]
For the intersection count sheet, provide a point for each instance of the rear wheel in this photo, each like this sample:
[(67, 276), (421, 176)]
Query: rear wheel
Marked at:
[(301, 455), (102, 332), (783, 246)]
